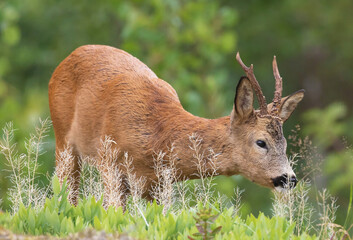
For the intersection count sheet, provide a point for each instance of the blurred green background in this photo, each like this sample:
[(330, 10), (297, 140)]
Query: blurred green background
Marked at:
[(192, 45)]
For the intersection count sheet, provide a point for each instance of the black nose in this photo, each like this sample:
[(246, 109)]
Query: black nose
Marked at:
[(282, 181)]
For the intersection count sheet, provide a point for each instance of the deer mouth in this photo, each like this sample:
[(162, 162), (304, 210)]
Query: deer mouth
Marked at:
[(284, 182)]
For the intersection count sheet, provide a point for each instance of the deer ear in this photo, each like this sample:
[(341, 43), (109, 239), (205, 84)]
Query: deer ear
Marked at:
[(244, 99), (288, 104)]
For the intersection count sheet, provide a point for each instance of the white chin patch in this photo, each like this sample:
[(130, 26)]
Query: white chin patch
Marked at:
[(281, 189)]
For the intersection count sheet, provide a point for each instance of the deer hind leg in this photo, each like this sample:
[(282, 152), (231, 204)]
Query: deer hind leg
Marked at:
[(69, 168)]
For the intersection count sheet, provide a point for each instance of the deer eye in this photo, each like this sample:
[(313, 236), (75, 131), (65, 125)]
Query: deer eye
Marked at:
[(261, 144)]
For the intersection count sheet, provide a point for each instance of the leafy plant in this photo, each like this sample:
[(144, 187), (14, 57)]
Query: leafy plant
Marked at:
[(204, 220), (59, 218)]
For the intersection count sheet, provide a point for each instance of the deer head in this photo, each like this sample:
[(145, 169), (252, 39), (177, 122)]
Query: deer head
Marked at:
[(260, 133)]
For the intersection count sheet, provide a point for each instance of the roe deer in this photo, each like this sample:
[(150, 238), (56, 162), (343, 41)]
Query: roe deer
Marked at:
[(102, 91)]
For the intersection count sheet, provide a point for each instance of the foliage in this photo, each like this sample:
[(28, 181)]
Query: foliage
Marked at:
[(330, 132), (326, 125), (204, 220), (59, 218)]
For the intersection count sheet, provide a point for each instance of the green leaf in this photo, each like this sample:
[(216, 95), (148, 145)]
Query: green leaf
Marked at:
[(31, 221), (87, 212), (348, 216), (216, 230), (289, 231), (56, 185), (97, 224), (78, 224), (197, 234), (63, 226)]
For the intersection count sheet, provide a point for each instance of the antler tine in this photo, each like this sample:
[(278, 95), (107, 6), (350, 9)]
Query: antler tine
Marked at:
[(278, 92), (255, 84)]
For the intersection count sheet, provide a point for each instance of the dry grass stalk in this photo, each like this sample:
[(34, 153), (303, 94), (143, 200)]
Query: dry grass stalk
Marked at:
[(180, 187), (237, 200), (206, 169), (134, 184), (221, 201), (293, 205), (113, 194), (340, 232), (304, 211), (92, 183), (65, 162), (308, 158), (327, 214), (34, 150), (16, 164), (163, 190), (23, 167), (107, 164), (182, 196)]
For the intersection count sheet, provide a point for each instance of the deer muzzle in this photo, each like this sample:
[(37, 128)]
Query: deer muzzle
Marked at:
[(285, 181)]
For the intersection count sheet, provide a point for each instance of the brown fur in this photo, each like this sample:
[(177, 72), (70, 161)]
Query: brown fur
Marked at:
[(100, 90)]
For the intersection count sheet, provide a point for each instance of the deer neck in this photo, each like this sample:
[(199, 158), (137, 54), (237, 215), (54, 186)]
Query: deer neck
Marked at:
[(205, 138)]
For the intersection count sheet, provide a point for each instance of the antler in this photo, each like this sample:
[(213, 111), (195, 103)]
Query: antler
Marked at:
[(278, 92), (250, 74)]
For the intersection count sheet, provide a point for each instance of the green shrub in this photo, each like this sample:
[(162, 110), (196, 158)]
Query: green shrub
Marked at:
[(59, 218)]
